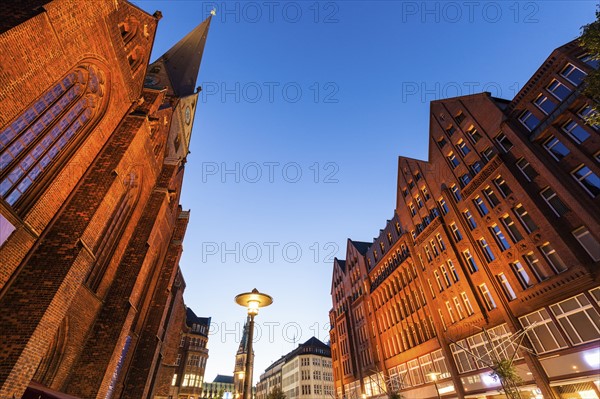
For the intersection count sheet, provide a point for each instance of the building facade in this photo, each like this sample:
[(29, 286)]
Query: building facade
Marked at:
[(93, 145), (305, 373), (493, 253), (186, 373), (221, 388)]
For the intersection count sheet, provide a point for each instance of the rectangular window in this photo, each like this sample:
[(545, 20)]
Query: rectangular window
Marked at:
[(578, 318), (463, 147), (499, 237), (544, 104), (488, 154), (576, 132), (434, 248), (440, 241), (556, 148), (553, 259), (487, 297), (573, 74), (526, 169), (442, 319), (174, 380), (534, 263), (525, 219), (431, 288), (521, 274), (425, 193), (450, 130), (476, 167), (464, 179), (504, 142), (487, 251), (558, 90), (510, 226), (467, 302), (428, 254), (506, 287), (453, 160), (450, 312), (587, 179), (438, 280), (461, 357), (554, 202), (443, 206), (455, 192), (473, 134), (480, 205), (459, 117), (502, 186), (588, 242), (413, 211), (455, 232), (452, 269), (459, 310), (528, 120), (419, 201), (491, 196), (470, 261), (446, 275), (585, 113), (545, 336), (442, 142)]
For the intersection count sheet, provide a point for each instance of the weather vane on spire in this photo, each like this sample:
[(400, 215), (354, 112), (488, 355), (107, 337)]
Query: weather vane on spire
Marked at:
[(213, 11)]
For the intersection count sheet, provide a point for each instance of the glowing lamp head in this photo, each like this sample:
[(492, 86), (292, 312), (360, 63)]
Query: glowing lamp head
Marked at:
[(253, 301)]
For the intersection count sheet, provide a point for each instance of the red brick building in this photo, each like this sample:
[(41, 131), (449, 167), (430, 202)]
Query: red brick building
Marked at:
[(497, 232), (93, 144)]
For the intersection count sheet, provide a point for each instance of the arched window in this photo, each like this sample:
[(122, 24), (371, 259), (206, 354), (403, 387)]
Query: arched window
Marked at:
[(135, 58), (32, 143), (128, 29), (113, 231)]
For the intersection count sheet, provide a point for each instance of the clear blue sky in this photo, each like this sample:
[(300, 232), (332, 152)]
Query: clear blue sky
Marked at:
[(342, 88)]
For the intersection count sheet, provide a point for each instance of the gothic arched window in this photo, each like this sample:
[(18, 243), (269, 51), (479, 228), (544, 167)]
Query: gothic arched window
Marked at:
[(35, 140), (113, 231)]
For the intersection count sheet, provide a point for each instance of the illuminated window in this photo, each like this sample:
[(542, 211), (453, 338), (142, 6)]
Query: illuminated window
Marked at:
[(470, 261), (470, 220), (481, 207), (544, 104), (521, 274)]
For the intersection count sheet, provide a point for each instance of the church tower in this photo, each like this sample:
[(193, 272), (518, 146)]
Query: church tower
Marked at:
[(239, 374), (93, 145)]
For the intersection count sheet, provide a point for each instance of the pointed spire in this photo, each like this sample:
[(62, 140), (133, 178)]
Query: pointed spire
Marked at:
[(243, 348), (182, 61)]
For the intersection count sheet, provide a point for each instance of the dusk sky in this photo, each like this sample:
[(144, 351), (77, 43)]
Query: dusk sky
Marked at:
[(305, 108)]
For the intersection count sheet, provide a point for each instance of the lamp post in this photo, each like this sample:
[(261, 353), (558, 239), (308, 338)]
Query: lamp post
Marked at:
[(434, 376), (253, 301)]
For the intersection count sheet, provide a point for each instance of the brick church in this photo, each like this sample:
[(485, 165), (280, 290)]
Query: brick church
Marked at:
[(93, 146)]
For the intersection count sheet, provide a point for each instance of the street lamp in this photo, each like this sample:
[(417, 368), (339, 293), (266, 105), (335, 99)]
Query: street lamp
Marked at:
[(253, 301), (434, 376)]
